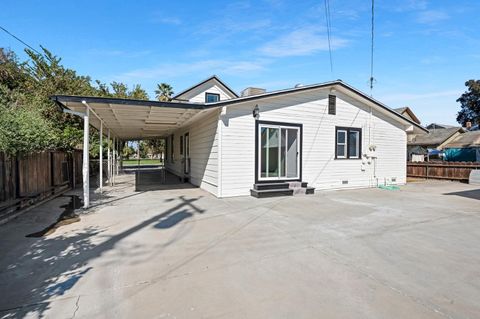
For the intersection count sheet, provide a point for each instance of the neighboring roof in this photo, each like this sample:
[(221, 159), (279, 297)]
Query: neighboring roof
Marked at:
[(435, 137), (437, 126), (406, 109), (213, 77), (401, 109), (465, 140)]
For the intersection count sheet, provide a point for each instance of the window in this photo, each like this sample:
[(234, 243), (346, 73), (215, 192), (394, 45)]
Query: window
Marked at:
[(332, 104), (348, 142), (212, 97)]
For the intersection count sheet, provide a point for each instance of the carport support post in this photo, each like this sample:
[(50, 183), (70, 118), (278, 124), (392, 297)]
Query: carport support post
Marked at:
[(113, 160), (85, 171), (101, 157), (109, 160)]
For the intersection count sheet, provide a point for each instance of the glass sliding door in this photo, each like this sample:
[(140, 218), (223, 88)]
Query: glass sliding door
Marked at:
[(278, 152)]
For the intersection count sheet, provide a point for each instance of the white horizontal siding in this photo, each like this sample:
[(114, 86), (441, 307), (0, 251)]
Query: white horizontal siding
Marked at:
[(203, 136), (197, 95), (320, 169)]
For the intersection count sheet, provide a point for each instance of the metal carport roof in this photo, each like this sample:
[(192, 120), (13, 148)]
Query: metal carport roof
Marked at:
[(130, 119)]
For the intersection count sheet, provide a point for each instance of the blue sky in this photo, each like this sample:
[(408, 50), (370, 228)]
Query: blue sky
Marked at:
[(424, 51)]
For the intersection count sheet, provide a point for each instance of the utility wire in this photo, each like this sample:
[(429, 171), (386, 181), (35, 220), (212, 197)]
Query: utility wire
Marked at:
[(372, 79), (328, 20), (19, 40)]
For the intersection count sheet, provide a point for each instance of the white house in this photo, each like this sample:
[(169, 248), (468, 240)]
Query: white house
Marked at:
[(328, 135), (321, 136)]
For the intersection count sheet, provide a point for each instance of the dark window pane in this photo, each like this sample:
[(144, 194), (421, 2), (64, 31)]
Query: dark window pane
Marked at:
[(341, 137), (353, 144), (263, 152), (340, 150), (212, 97), (283, 151), (273, 149)]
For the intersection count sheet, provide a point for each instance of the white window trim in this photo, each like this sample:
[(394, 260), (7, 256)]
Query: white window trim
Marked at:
[(345, 150)]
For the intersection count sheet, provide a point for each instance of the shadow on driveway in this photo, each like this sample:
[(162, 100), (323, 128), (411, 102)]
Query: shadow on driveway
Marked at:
[(44, 269)]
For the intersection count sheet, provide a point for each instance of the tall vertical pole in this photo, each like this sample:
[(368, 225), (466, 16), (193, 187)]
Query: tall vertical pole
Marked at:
[(101, 157), (109, 160), (85, 171), (114, 155)]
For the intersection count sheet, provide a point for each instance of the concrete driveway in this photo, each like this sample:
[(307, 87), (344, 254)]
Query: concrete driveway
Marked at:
[(371, 253)]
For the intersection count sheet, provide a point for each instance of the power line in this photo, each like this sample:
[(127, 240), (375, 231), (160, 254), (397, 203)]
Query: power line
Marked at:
[(19, 40), (328, 20), (372, 80)]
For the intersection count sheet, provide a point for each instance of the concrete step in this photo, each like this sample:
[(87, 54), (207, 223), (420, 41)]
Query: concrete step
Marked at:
[(267, 186), (271, 192)]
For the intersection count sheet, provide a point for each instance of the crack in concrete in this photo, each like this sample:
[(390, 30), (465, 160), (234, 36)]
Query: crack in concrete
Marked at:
[(77, 306)]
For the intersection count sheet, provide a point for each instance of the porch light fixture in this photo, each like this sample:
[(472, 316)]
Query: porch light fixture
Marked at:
[(256, 112)]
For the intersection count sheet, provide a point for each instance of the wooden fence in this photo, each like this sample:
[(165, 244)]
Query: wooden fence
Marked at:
[(29, 179), (441, 170)]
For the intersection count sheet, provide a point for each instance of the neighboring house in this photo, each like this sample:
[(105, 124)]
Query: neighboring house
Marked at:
[(436, 126), (408, 113), (208, 91), (465, 148), (328, 135), (434, 141)]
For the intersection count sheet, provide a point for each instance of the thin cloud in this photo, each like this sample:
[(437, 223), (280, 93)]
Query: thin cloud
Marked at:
[(300, 43), (410, 5), (175, 70), (432, 16), (170, 20), (162, 18)]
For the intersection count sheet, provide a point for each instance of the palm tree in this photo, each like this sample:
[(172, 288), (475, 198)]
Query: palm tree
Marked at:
[(164, 92)]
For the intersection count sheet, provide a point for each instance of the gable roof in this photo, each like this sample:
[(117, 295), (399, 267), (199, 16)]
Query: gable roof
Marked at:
[(214, 78), (332, 84), (123, 113), (409, 111), (435, 137), (437, 126), (468, 139)]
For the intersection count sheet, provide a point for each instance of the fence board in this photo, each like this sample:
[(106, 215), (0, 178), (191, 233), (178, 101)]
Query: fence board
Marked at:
[(442, 170), (28, 179)]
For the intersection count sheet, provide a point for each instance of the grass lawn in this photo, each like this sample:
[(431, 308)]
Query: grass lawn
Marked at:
[(143, 161)]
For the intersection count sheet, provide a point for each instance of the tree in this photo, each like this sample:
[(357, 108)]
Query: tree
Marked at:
[(25, 91), (138, 93), (23, 130), (154, 147), (120, 90), (128, 151), (470, 104), (164, 92)]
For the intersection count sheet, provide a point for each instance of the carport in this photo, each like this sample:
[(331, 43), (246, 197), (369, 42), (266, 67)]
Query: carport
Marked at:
[(121, 120)]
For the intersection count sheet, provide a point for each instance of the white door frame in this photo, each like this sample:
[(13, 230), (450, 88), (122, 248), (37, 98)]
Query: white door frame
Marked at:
[(278, 126)]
